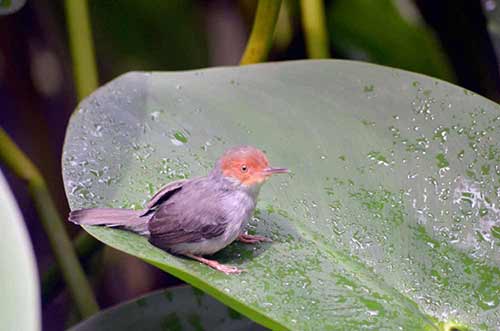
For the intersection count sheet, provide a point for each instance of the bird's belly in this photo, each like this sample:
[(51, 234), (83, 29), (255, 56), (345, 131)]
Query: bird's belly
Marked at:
[(206, 247), (212, 245)]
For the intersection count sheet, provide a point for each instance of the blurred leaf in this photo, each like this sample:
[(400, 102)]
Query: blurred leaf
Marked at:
[(385, 223), (174, 309), (20, 302), (492, 13), (148, 35), (377, 29), (283, 34)]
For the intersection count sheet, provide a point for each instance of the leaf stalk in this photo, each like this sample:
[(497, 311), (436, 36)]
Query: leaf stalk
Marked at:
[(261, 38)]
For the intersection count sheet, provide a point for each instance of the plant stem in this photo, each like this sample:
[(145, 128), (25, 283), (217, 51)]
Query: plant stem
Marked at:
[(86, 81), (314, 25), (82, 47), (62, 248), (260, 41), (86, 246)]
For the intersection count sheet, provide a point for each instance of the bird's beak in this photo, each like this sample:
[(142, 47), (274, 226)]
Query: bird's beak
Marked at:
[(272, 171)]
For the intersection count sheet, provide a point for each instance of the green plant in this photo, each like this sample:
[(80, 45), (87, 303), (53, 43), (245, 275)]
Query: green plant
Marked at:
[(179, 308), (387, 220), (53, 225), (19, 285)]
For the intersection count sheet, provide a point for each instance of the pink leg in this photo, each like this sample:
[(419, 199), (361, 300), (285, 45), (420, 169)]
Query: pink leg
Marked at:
[(250, 239), (227, 269)]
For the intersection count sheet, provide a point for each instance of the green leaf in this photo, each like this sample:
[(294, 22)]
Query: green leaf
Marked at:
[(384, 36), (371, 230), (175, 309), (20, 302), (149, 34)]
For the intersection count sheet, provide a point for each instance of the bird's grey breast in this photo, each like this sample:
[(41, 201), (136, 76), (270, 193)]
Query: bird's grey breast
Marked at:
[(238, 207)]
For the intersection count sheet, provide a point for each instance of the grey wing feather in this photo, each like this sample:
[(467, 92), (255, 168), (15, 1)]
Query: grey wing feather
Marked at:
[(170, 236), (165, 192), (180, 221), (167, 227)]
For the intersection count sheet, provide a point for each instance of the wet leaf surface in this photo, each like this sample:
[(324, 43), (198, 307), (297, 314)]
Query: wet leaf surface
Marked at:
[(388, 221)]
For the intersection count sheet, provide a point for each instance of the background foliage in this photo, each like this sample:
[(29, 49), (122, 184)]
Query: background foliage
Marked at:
[(450, 40)]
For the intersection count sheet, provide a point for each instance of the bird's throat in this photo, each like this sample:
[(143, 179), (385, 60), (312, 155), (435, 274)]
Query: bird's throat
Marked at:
[(253, 190)]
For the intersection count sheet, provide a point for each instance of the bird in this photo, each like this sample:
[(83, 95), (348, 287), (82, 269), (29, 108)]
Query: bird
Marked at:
[(199, 216)]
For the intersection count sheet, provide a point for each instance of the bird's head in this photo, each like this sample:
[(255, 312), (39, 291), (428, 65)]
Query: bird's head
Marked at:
[(247, 165)]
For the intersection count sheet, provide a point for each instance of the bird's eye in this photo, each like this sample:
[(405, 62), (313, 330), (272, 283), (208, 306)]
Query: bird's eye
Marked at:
[(244, 168)]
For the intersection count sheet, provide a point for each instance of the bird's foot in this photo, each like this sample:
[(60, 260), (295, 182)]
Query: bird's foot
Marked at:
[(227, 269), (251, 239)]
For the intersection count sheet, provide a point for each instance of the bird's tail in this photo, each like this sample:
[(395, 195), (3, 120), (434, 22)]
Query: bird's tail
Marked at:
[(123, 218)]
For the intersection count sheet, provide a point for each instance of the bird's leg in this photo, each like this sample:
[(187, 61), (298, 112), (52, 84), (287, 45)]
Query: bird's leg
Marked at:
[(227, 269), (251, 239)]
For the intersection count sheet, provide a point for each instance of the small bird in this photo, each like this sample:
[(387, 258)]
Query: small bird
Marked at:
[(199, 216)]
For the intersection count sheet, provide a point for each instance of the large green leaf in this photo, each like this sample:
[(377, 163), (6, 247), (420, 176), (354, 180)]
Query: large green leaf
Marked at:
[(389, 219), (175, 309), (379, 31), (19, 302)]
